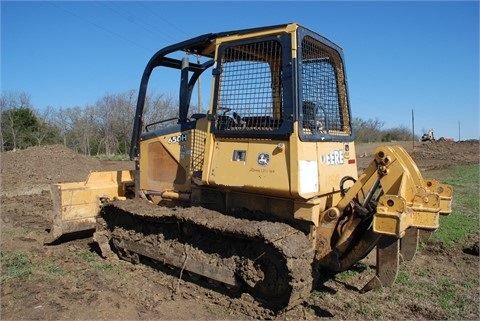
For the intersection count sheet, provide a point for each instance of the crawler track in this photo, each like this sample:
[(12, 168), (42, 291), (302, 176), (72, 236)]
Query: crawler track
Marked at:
[(271, 261)]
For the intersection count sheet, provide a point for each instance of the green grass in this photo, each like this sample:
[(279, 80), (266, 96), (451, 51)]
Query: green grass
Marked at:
[(16, 231), (20, 265), (346, 275), (104, 267), (53, 269), (96, 262), (15, 265), (464, 218), (87, 256), (115, 157), (318, 294), (404, 278)]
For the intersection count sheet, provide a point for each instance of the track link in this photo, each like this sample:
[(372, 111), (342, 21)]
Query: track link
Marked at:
[(271, 261)]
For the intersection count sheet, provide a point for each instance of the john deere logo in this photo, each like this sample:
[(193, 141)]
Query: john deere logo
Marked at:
[(263, 159)]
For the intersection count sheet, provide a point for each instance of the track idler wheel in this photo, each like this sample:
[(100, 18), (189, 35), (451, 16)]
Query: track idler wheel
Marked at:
[(265, 275)]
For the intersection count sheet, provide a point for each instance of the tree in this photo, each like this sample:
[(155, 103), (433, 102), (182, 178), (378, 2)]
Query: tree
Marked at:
[(102, 128), (46, 132), (17, 120), (18, 126), (401, 133), (62, 120), (159, 108), (21, 125), (114, 114), (367, 130)]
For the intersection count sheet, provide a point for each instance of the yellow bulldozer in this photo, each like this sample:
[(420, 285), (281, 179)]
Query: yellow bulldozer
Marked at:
[(261, 192)]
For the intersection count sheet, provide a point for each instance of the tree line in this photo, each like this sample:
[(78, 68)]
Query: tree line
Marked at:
[(105, 127)]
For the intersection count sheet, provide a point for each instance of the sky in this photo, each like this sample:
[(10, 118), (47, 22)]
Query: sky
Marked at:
[(401, 57)]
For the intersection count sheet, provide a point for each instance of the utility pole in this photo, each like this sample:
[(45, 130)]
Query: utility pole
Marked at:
[(413, 131), (458, 130)]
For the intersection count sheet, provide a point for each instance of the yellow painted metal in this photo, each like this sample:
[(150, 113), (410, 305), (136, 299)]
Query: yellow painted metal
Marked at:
[(250, 174), (291, 28), (310, 210), (295, 169), (444, 191), (161, 168), (167, 162), (408, 199), (76, 205)]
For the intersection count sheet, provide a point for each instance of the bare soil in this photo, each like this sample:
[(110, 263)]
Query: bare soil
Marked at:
[(70, 281)]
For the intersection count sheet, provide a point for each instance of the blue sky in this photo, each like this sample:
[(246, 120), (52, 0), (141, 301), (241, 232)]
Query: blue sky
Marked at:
[(400, 56)]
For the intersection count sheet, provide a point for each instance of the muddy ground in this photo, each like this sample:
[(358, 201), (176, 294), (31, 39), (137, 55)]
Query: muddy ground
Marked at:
[(70, 281)]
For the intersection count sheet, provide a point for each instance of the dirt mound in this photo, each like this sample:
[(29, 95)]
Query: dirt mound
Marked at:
[(32, 170), (441, 154), (427, 155)]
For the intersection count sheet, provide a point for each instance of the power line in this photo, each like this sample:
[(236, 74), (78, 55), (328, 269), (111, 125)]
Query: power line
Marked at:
[(99, 26), (154, 12), (132, 19)]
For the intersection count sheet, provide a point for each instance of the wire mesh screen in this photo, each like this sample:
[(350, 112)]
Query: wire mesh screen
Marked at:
[(198, 150), (249, 97), (323, 110)]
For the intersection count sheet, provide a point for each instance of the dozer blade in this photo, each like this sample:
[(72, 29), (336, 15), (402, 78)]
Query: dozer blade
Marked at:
[(76, 205)]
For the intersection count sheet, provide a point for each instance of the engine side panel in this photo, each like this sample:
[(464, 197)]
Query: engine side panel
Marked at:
[(169, 158), (259, 166)]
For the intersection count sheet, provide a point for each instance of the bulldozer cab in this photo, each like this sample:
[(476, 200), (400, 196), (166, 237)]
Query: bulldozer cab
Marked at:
[(278, 121)]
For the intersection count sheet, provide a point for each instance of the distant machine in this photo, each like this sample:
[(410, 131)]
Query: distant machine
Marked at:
[(428, 136)]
